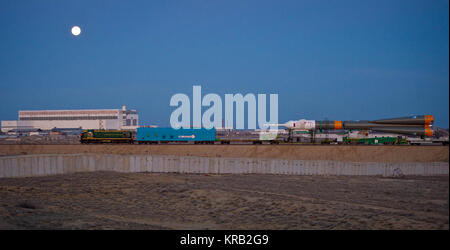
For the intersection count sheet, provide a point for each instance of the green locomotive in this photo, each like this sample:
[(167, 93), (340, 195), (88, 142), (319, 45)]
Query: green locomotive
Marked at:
[(106, 136)]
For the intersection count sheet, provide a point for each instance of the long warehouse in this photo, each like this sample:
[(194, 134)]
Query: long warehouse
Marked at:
[(85, 119)]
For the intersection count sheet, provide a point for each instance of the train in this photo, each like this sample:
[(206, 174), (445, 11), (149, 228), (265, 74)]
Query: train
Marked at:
[(158, 135), (412, 130)]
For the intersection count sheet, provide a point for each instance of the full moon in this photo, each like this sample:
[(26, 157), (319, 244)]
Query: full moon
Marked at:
[(76, 30)]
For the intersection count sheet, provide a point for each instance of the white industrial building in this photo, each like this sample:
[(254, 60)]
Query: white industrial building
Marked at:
[(83, 118)]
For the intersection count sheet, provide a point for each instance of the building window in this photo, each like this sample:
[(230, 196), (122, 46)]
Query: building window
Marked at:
[(53, 118)]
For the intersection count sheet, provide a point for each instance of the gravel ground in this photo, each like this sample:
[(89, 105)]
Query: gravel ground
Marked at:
[(109, 200), (346, 153)]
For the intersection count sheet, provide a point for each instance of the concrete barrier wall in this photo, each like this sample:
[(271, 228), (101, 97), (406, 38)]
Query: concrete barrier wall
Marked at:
[(41, 165)]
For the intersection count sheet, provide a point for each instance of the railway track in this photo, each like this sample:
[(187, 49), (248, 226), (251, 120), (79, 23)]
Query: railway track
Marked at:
[(218, 144)]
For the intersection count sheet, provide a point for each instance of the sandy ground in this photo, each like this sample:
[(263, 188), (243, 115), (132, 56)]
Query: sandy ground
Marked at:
[(109, 200), (294, 152)]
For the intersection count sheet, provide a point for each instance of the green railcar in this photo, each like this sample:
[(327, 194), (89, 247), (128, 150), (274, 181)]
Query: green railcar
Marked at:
[(106, 136), (375, 140)]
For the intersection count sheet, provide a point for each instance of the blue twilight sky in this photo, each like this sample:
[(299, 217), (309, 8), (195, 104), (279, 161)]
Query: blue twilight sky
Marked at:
[(326, 59)]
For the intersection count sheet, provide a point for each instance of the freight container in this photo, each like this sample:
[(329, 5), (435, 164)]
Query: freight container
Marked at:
[(155, 135)]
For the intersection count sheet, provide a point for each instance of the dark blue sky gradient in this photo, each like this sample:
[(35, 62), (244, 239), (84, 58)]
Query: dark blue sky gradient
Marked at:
[(326, 59)]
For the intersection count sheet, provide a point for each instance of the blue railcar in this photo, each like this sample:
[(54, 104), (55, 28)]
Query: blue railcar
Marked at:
[(162, 135)]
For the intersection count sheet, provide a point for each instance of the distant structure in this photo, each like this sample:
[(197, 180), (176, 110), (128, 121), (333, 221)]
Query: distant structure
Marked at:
[(83, 118)]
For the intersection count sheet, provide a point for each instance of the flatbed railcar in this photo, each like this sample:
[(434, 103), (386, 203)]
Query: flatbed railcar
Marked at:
[(376, 141)]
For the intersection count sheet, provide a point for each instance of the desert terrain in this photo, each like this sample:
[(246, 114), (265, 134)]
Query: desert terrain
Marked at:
[(109, 200)]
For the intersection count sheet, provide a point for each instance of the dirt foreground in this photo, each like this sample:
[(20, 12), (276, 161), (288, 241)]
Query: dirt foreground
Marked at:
[(109, 200), (292, 152)]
